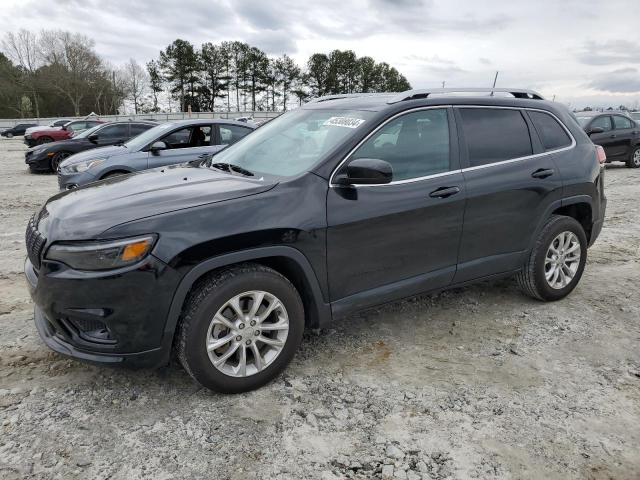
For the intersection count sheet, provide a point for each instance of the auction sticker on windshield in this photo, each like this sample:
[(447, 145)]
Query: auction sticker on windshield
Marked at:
[(347, 122)]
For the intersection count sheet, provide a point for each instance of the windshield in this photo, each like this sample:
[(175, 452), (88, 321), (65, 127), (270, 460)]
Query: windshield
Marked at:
[(583, 120), (293, 142), (136, 143), (86, 133)]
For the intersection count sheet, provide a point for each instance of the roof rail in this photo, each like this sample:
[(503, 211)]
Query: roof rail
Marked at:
[(424, 93), (338, 96)]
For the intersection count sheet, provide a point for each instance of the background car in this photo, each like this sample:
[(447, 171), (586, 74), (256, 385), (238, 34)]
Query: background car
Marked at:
[(18, 129), (617, 133), (58, 124), (54, 134), (47, 157), (166, 144)]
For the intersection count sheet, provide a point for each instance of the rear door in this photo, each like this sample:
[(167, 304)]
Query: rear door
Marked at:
[(510, 180), (184, 145), (400, 238)]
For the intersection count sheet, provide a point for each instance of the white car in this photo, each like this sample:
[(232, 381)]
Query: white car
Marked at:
[(58, 124)]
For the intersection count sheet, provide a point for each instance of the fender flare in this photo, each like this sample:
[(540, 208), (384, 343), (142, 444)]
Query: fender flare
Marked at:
[(549, 211), (180, 295)]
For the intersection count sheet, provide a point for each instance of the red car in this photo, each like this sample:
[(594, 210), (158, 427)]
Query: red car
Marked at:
[(54, 134)]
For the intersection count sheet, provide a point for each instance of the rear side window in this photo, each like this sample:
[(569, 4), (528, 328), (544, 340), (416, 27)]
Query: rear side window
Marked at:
[(230, 134), (620, 122), (494, 135), (551, 133), (138, 128)]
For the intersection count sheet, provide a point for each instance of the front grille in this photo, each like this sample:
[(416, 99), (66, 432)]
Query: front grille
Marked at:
[(34, 242)]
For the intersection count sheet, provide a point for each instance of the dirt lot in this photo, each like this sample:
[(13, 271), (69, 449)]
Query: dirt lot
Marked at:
[(480, 382)]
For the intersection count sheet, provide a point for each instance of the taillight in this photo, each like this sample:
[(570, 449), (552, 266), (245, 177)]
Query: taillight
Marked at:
[(602, 157)]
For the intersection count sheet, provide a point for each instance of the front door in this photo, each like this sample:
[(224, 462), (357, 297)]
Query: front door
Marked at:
[(401, 238)]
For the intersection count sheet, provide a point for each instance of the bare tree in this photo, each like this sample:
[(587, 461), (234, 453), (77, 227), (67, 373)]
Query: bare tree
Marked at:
[(73, 65), (22, 49), (136, 81)]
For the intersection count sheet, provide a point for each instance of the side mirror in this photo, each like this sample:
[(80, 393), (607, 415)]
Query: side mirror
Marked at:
[(93, 137), (365, 171), (157, 146), (593, 130)]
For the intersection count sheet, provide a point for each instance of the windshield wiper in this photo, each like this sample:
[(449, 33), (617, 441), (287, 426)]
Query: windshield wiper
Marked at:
[(230, 167)]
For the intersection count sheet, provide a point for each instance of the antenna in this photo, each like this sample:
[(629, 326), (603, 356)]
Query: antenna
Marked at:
[(495, 79)]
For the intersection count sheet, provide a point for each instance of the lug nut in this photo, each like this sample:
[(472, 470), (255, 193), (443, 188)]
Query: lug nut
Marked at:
[(256, 333), (248, 342), (241, 326), (238, 338), (253, 322)]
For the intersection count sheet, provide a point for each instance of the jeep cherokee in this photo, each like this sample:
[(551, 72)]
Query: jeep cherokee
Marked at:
[(345, 203)]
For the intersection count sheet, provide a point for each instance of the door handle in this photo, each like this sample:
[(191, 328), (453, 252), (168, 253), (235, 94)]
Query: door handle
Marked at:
[(444, 192), (202, 156), (612, 136), (543, 173)]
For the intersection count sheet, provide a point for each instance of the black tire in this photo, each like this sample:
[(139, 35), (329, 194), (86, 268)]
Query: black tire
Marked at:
[(634, 159), (9, 135), (57, 159), (532, 279), (43, 140), (207, 298)]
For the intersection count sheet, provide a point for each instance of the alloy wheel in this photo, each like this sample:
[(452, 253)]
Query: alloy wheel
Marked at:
[(636, 157), (562, 260), (247, 333), (57, 160)]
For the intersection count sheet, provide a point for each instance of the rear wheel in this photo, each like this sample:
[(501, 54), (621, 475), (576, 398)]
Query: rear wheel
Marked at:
[(43, 140), (57, 159), (9, 135), (557, 260), (240, 328), (634, 159)]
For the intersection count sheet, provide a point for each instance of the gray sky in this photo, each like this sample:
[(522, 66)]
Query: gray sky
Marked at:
[(582, 51)]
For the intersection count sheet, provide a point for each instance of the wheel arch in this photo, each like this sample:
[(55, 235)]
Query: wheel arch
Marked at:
[(115, 170), (288, 261)]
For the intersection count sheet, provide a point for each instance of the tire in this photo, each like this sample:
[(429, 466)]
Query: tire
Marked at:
[(57, 159), (197, 328), (634, 158), (9, 135), (533, 277), (43, 140)]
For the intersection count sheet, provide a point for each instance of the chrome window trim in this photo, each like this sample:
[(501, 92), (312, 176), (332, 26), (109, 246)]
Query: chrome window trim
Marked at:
[(451, 172)]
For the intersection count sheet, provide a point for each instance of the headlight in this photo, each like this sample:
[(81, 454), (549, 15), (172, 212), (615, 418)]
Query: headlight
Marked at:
[(102, 255), (82, 166)]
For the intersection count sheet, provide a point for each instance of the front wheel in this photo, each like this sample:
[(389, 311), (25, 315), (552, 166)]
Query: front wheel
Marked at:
[(634, 159), (557, 260), (57, 159), (240, 328)]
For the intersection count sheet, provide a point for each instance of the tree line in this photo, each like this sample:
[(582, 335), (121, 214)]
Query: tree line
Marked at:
[(58, 73)]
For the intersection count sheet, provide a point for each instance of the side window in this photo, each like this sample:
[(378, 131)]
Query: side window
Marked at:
[(138, 128), (416, 144), (230, 134), (603, 122), (189, 137), (551, 133), (114, 131), (494, 135), (77, 126), (621, 122)]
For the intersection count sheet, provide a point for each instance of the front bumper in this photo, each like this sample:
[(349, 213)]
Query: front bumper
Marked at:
[(114, 318), (37, 162), (73, 180), (29, 141)]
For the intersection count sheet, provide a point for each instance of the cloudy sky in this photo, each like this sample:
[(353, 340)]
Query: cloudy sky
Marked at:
[(581, 51)]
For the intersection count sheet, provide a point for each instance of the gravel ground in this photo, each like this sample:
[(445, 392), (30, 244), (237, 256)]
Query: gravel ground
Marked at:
[(479, 382)]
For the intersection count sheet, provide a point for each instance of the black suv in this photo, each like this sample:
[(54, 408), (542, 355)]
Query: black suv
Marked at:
[(345, 203), (616, 132)]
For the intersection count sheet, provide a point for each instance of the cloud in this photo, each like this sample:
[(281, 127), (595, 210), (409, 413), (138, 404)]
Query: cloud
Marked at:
[(612, 52), (623, 80)]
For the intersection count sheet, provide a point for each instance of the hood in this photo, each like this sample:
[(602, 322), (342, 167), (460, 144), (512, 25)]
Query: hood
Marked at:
[(100, 152), (86, 212), (41, 128), (54, 146)]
